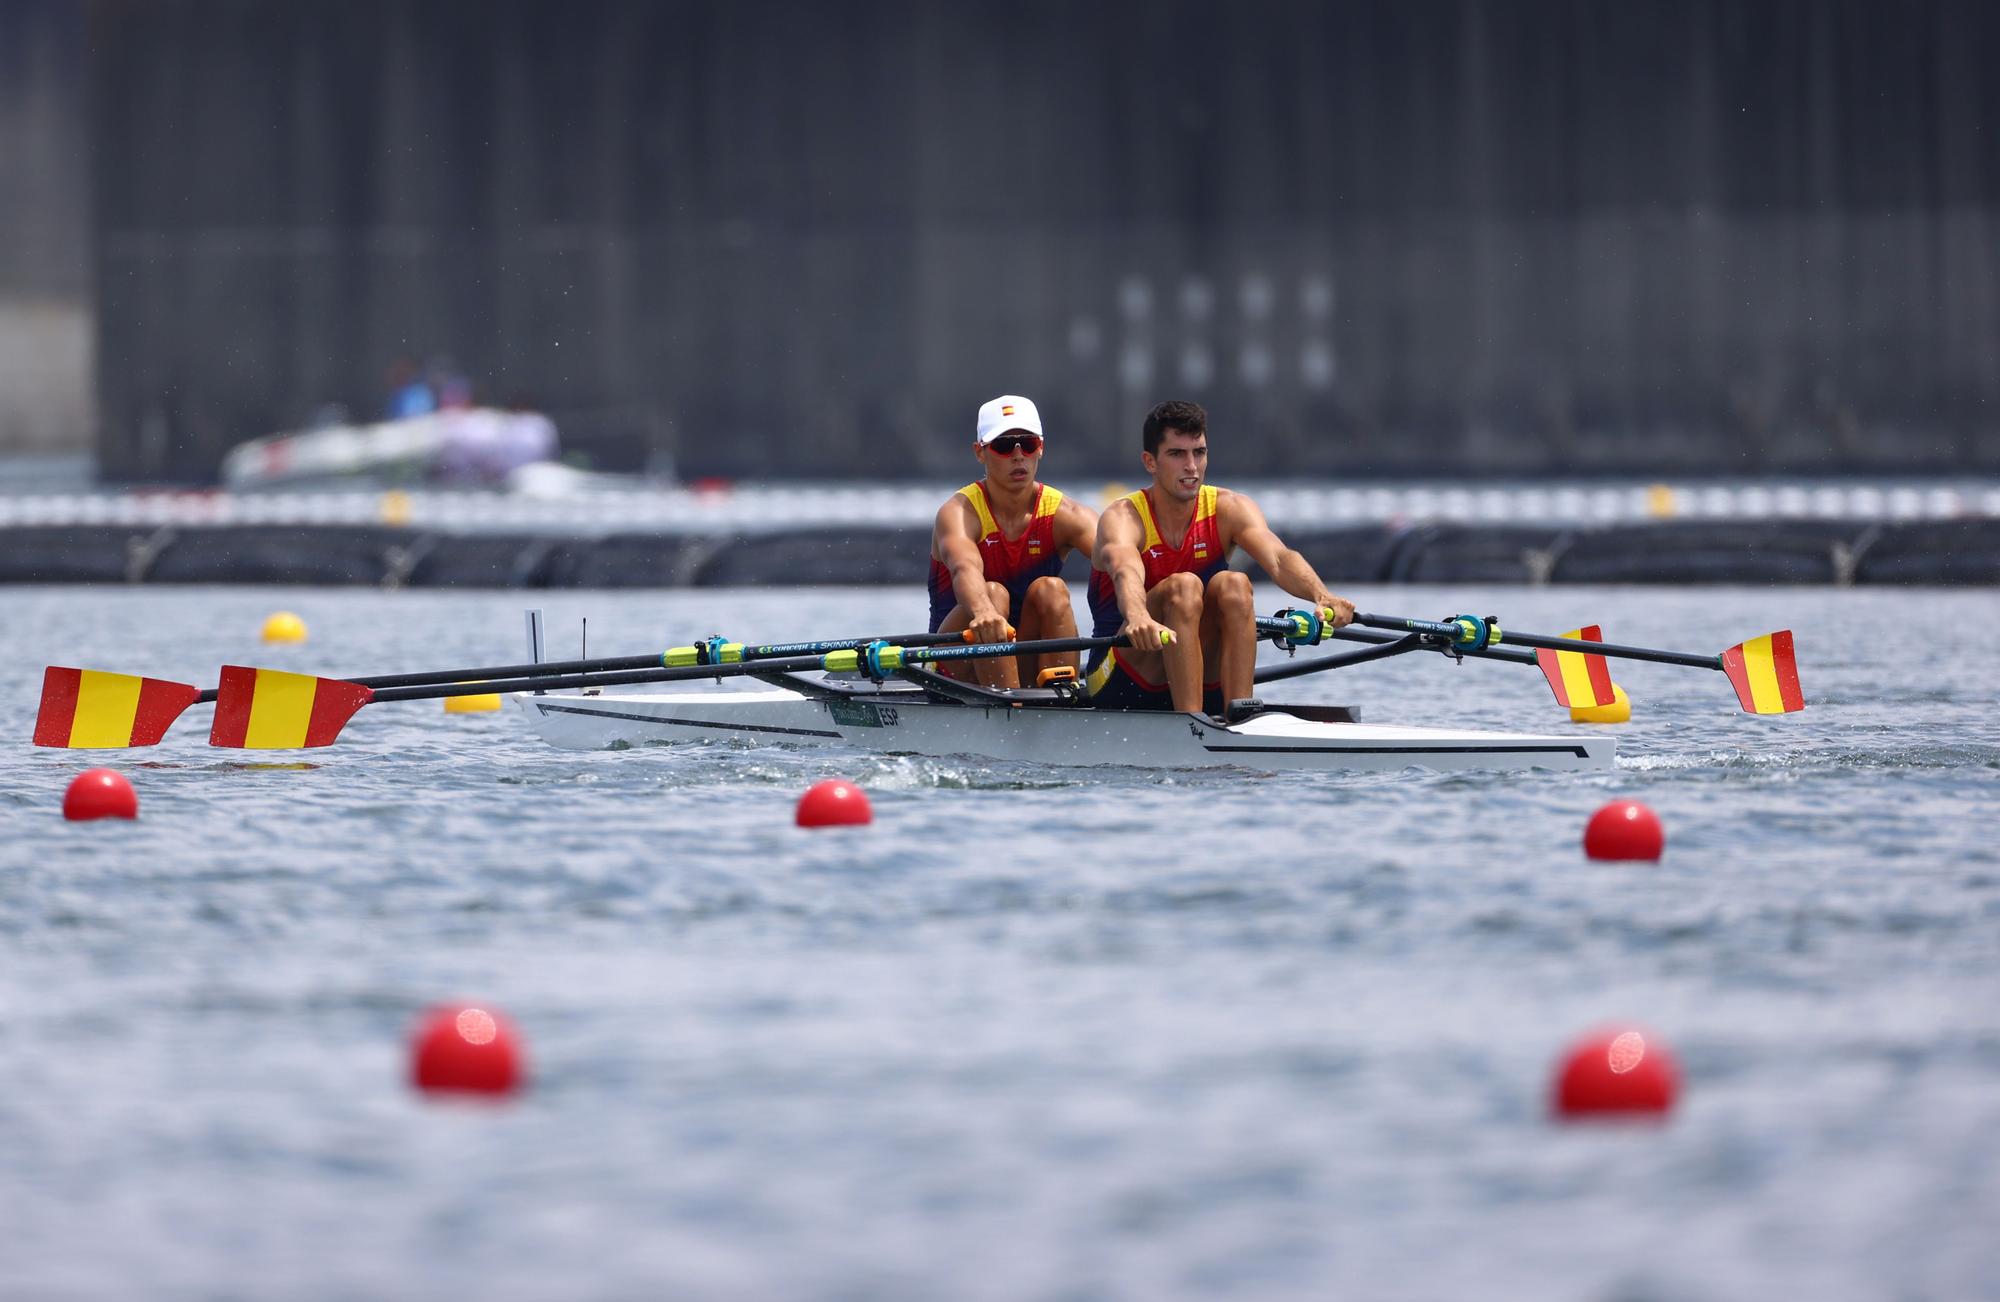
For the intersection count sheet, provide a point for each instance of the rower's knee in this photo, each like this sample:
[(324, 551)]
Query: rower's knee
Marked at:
[(1180, 597), (1003, 602), (1230, 594), (1047, 599)]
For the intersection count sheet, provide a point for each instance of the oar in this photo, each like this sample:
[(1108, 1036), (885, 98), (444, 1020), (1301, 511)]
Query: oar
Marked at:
[(713, 651), (1380, 646), (1382, 650), (271, 709), (1764, 670), (94, 709), (1296, 628)]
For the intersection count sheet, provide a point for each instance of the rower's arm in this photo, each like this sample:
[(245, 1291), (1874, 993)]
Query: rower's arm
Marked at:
[(1244, 525), (1119, 537), (957, 547), (1076, 527)]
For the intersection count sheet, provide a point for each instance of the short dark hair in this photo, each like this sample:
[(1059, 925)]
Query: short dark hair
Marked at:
[(1175, 413)]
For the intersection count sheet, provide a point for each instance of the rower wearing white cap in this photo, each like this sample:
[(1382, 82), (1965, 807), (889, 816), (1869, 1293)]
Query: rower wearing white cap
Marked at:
[(998, 546)]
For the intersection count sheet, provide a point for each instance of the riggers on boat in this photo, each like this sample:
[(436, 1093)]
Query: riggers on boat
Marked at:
[(925, 713), (882, 693)]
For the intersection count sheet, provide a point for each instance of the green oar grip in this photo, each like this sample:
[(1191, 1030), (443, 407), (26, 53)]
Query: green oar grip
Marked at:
[(877, 660), (1474, 633), (1291, 629), (714, 651)]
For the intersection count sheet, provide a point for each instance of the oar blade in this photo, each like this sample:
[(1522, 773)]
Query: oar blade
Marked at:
[(269, 709), (1578, 679), (1765, 673), (88, 709)]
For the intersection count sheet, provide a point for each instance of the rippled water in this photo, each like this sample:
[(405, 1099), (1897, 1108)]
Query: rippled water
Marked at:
[(1047, 1034)]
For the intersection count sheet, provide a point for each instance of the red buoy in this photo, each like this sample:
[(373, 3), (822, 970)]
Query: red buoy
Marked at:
[(834, 803), (1624, 829), (466, 1048), (100, 793), (1618, 1070)]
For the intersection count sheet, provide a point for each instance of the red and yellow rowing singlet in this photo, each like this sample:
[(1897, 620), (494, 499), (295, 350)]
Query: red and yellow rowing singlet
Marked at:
[(1015, 562), (1199, 553)]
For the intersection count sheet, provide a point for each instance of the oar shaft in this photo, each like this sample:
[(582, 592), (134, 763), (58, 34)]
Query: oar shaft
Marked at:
[(890, 656), (548, 682), (1436, 628), (1278, 628), (485, 673), (675, 657), (1508, 654), (1379, 650), (978, 651), (849, 644), (1612, 649)]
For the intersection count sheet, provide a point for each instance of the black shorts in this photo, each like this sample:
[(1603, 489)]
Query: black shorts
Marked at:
[(1111, 685)]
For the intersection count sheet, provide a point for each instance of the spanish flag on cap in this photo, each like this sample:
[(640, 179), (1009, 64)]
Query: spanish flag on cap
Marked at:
[(268, 709), (1004, 415)]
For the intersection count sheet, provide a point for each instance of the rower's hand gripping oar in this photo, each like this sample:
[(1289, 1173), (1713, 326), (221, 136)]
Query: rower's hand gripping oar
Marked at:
[(90, 709), (270, 709)]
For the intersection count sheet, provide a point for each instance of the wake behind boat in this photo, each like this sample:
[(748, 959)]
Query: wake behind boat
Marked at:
[(937, 716)]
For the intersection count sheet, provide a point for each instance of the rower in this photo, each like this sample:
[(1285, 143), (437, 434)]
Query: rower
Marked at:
[(1160, 577), (997, 550)]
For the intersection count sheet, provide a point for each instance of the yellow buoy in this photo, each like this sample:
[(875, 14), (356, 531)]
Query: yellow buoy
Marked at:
[(1661, 503), (284, 627), (394, 508), (1111, 492), (1619, 711), (483, 703)]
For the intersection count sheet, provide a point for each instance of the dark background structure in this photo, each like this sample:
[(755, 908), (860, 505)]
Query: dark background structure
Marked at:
[(45, 317), (786, 239)]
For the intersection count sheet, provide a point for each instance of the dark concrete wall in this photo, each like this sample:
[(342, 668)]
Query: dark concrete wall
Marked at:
[(1440, 236), (44, 230)]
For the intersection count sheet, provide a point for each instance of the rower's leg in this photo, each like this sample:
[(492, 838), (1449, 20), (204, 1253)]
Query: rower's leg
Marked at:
[(1046, 611), (1229, 634), (1176, 602), (995, 672)]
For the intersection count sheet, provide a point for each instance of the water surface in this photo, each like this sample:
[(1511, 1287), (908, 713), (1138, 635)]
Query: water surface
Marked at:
[(1036, 1033)]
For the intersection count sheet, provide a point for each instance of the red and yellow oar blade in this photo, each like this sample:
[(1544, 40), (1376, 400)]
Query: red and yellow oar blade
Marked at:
[(1578, 678), (268, 709), (88, 709), (1765, 674)]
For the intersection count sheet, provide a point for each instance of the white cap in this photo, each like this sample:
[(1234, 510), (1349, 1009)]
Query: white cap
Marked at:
[(1005, 414)]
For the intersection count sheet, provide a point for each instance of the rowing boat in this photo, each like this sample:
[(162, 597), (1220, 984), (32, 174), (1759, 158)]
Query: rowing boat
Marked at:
[(885, 694), (944, 717)]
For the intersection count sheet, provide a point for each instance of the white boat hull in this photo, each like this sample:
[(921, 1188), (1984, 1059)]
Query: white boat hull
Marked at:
[(908, 723)]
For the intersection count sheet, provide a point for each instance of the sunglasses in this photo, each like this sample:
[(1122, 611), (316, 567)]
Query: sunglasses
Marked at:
[(1008, 444)]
